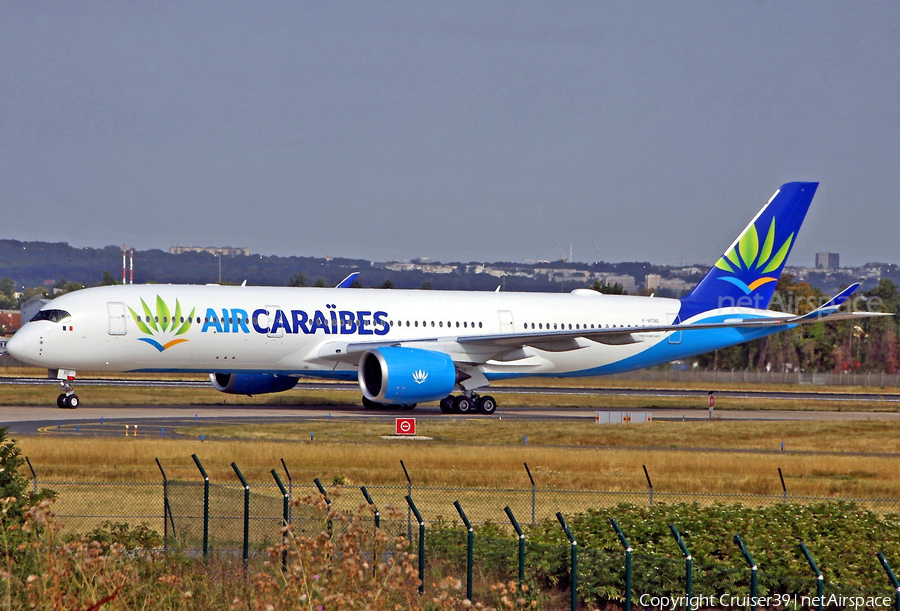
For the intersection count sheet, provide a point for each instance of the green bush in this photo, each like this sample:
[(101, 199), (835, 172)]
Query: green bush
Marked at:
[(842, 537)]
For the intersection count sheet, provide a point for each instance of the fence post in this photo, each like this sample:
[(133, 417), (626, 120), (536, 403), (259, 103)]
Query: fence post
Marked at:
[(33, 475), (372, 503), (754, 570), (533, 492), (574, 559), (628, 552), (518, 529), (290, 489), (246, 551), (322, 491), (783, 487), (688, 566), (285, 510), (649, 484), (820, 580), (470, 542), (205, 504), (893, 578), (167, 508), (377, 526), (415, 510), (409, 493)]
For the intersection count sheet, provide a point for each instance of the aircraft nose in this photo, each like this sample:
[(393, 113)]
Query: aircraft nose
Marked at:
[(14, 346), (21, 346)]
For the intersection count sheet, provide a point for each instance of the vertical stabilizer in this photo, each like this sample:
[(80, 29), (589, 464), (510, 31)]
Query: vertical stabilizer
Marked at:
[(746, 275)]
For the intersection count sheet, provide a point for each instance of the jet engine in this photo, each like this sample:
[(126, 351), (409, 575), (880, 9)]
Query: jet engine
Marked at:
[(397, 375), (251, 383)]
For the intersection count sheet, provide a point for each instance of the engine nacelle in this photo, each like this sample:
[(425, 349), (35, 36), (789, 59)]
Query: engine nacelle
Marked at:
[(406, 375), (251, 383)]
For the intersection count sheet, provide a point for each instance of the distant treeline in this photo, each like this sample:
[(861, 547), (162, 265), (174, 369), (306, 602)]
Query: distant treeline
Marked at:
[(32, 264)]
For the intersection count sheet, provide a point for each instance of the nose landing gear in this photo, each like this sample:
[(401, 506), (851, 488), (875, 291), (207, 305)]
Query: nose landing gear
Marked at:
[(68, 399)]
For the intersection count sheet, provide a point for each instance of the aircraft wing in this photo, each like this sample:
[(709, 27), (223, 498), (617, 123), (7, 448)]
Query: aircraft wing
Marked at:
[(476, 349)]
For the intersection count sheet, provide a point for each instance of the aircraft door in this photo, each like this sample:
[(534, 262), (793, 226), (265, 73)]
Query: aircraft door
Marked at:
[(675, 337), (116, 318), (270, 322), (506, 321)]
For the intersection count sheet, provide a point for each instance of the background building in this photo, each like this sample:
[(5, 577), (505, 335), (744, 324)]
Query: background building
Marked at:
[(828, 260), (213, 250)]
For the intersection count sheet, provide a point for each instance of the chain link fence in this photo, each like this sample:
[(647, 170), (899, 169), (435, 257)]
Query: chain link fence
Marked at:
[(175, 508), (228, 518)]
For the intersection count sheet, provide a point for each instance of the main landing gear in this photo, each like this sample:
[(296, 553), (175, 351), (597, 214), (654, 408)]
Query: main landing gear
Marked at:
[(468, 403)]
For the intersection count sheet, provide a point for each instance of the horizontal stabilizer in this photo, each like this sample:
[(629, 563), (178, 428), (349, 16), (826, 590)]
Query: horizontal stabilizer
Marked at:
[(831, 307)]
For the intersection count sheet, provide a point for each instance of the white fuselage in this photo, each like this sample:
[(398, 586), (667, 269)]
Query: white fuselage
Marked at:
[(284, 330)]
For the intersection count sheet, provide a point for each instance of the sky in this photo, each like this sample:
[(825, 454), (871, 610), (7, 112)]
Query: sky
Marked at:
[(457, 131)]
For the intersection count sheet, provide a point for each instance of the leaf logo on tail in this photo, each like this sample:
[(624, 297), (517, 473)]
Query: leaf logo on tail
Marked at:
[(749, 264), (164, 326)]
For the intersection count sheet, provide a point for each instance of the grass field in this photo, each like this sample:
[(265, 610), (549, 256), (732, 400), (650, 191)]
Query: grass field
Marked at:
[(481, 453)]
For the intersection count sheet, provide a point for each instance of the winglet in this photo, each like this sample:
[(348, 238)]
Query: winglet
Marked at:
[(348, 281)]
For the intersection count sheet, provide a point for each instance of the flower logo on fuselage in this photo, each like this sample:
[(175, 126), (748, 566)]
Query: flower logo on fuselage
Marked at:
[(749, 263), (164, 326)]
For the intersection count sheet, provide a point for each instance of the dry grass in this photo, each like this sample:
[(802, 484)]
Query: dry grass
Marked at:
[(833, 436), (448, 463)]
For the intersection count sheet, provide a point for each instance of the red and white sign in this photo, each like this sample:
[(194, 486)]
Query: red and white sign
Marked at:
[(406, 426), (712, 400)]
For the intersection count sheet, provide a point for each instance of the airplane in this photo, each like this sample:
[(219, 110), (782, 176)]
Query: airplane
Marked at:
[(406, 347)]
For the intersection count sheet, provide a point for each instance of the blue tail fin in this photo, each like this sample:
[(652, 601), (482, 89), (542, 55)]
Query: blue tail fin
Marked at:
[(747, 273)]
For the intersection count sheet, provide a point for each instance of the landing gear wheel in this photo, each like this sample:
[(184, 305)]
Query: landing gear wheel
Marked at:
[(447, 405), (462, 405), (409, 406), (71, 401), (61, 401), (487, 405)]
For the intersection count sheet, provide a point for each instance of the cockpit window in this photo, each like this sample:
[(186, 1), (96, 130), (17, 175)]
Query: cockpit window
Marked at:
[(51, 315)]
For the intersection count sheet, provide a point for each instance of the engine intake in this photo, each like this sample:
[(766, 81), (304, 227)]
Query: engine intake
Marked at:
[(251, 383), (406, 375)]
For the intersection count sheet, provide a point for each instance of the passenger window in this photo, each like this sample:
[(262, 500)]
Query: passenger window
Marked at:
[(465, 324), (479, 325)]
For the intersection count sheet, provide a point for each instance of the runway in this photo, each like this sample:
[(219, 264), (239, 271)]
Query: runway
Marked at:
[(90, 420), (806, 395), (159, 421)]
